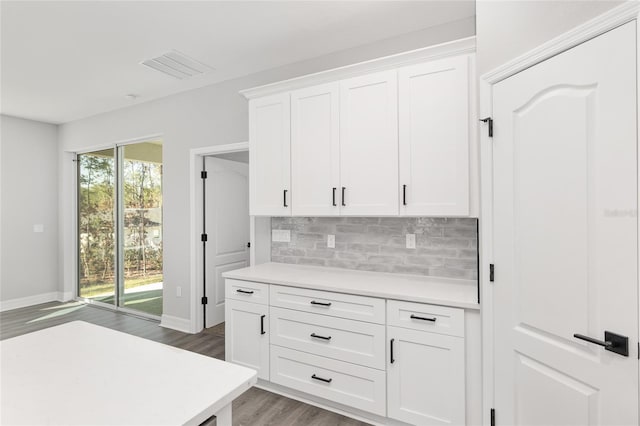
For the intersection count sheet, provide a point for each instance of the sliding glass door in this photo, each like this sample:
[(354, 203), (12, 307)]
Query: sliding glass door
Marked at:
[(120, 227)]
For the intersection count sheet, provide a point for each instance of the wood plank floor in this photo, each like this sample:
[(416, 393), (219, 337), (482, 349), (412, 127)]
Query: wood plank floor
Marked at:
[(254, 407)]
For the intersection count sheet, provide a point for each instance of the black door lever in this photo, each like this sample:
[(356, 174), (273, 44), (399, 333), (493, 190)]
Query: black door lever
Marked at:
[(612, 342)]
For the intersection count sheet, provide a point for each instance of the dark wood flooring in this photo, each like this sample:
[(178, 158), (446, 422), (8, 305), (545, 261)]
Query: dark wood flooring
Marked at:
[(254, 407)]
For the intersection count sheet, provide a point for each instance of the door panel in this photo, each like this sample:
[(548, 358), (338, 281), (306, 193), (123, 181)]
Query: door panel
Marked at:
[(565, 242), (270, 152), (315, 149), (434, 137), (369, 145), (227, 227)]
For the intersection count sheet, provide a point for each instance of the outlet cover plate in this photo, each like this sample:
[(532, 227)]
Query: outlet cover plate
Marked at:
[(281, 235), (331, 241), (411, 241)]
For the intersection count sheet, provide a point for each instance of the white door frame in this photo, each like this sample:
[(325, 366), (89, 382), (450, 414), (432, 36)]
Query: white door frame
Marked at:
[(196, 156), (611, 19)]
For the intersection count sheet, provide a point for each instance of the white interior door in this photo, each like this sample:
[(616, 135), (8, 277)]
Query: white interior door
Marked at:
[(566, 237), (227, 228)]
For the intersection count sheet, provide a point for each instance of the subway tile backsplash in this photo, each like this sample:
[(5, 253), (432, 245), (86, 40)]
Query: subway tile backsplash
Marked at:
[(445, 247)]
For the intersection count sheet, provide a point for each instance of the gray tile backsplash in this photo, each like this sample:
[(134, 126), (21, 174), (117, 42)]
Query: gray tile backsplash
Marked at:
[(445, 247)]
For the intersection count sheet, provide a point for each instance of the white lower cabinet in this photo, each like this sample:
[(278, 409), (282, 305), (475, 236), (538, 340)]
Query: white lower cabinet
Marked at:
[(402, 364), (425, 377), (246, 335)]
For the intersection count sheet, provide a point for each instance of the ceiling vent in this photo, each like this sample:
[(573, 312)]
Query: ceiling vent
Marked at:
[(177, 65)]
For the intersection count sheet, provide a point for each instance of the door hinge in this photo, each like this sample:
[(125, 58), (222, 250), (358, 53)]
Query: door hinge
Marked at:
[(203, 238), (638, 350), (492, 272), (203, 174), (489, 121), (205, 300), (249, 244), (493, 417)]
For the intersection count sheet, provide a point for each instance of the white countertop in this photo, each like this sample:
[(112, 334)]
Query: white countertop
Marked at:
[(83, 374), (412, 288)]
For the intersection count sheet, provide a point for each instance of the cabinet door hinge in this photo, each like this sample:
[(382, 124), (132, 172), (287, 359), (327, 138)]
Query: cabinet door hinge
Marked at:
[(205, 300), (203, 238), (489, 122), (492, 272), (203, 174), (493, 417)]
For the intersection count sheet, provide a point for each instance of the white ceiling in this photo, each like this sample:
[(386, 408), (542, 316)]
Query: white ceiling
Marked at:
[(62, 61)]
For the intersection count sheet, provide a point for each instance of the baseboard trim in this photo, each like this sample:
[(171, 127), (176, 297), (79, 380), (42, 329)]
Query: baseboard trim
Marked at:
[(23, 302), (176, 323)]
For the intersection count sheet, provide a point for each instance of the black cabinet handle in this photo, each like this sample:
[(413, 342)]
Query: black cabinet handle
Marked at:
[(317, 336), (391, 346), (244, 291), (612, 342), (334, 197), (404, 195), (284, 198), (322, 379), (313, 302), (343, 199), (422, 318), (262, 325)]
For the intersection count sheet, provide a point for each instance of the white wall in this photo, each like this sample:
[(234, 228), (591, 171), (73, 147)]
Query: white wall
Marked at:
[(28, 196), (507, 29), (208, 116)]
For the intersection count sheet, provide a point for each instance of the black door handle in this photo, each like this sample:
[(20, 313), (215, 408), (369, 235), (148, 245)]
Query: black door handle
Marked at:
[(262, 325), (244, 291), (313, 302), (391, 354), (404, 195), (422, 318), (334, 197), (343, 200), (313, 376), (612, 342), (284, 198), (317, 336)]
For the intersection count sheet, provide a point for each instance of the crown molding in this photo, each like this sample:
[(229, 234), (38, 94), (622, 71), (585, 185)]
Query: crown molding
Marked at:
[(452, 48), (609, 20)]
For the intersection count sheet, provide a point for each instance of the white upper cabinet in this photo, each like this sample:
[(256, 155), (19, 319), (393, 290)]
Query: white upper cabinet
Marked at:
[(369, 145), (269, 155), (315, 150), (434, 105)]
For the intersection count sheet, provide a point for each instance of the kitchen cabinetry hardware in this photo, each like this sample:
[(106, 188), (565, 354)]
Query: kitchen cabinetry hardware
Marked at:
[(322, 379), (313, 302), (433, 319), (391, 358), (244, 291), (262, 325), (317, 336)]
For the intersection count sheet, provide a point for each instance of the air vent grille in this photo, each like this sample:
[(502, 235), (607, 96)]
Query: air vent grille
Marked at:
[(177, 65)]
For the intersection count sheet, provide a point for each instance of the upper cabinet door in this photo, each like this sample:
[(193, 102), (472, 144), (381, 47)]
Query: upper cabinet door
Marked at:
[(369, 145), (315, 162), (269, 154), (434, 138)]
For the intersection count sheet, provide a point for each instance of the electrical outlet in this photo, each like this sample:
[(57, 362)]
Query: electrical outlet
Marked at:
[(281, 235), (38, 228), (331, 241), (411, 241), (179, 291)]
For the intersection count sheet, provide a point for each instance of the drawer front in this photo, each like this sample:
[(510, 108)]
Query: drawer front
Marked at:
[(348, 384), (341, 305), (247, 291), (338, 338), (419, 316)]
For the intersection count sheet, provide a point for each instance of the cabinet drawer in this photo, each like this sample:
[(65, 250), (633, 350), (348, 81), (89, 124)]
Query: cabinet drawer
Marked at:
[(247, 291), (348, 384), (419, 316), (341, 305), (338, 338)]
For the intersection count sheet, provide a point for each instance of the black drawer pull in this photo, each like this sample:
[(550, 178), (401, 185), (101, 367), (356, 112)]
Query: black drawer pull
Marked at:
[(313, 302), (422, 318), (404, 195), (284, 196), (334, 197), (244, 291), (322, 379), (344, 200), (262, 325), (317, 336)]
